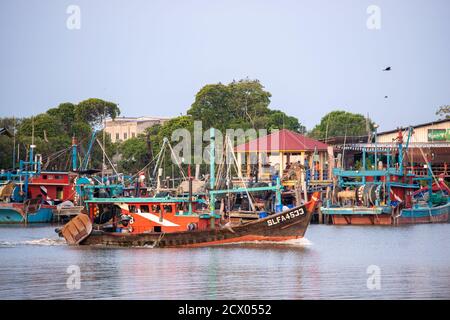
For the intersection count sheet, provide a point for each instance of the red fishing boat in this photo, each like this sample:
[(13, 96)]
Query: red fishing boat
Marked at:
[(158, 222)]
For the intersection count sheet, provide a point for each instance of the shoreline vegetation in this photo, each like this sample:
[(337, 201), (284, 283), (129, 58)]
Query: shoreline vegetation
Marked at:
[(242, 104)]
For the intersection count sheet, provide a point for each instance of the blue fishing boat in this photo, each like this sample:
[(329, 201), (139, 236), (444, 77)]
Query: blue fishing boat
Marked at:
[(27, 212), (388, 194), (425, 214), (16, 206)]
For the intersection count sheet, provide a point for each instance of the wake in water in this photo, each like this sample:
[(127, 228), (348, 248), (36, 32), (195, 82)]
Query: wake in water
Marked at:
[(301, 242), (36, 242)]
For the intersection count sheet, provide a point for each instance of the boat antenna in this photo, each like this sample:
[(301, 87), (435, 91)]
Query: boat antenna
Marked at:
[(14, 145), (343, 149), (103, 144), (326, 130)]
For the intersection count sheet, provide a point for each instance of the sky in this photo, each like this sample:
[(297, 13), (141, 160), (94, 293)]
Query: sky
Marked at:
[(152, 57)]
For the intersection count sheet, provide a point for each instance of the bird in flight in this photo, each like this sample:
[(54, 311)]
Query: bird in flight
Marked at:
[(387, 69)]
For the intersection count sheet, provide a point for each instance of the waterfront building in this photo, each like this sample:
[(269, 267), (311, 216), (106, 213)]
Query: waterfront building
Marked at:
[(124, 128), (429, 142), (277, 151)]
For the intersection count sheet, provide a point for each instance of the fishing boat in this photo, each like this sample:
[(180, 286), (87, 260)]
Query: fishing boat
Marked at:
[(33, 195), (17, 205), (389, 194), (190, 221), (432, 205), (159, 223)]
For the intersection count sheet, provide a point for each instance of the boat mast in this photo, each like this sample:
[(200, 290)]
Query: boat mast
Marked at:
[(14, 145), (74, 153), (212, 179)]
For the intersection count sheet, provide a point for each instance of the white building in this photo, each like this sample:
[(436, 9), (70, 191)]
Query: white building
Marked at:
[(123, 128), (431, 132)]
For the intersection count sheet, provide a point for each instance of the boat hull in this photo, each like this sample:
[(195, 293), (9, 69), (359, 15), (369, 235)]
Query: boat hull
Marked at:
[(383, 219), (439, 214), (358, 215), (291, 224), (11, 213)]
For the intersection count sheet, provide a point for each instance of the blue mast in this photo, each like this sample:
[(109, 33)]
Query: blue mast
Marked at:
[(74, 153), (88, 153), (212, 173)]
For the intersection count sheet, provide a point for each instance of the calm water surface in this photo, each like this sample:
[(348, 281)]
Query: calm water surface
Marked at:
[(331, 262)]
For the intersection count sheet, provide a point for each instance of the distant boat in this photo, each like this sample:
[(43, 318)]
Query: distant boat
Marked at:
[(29, 195), (387, 195), (424, 214), (30, 211)]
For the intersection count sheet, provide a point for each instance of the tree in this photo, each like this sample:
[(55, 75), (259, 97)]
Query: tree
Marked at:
[(66, 115), (42, 126), (94, 111), (278, 120), (6, 142), (134, 154), (444, 112), (342, 123), (53, 131), (241, 104)]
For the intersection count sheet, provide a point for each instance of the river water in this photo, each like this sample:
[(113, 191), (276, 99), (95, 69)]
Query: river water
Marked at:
[(332, 262)]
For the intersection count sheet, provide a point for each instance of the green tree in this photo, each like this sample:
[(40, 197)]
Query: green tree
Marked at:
[(444, 112), (134, 154), (53, 131), (240, 104), (94, 111), (65, 114), (278, 120), (342, 123), (44, 126)]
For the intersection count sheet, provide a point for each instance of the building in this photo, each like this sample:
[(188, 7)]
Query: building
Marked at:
[(282, 148), (430, 132), (429, 142), (124, 128)]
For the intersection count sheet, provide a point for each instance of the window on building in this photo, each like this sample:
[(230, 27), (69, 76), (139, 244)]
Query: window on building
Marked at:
[(117, 136), (124, 136), (133, 135), (59, 193)]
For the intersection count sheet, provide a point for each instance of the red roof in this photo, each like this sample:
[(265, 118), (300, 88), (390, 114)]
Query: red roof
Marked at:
[(282, 141)]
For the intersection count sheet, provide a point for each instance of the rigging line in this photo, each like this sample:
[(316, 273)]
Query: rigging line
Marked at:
[(148, 164), (176, 159), (51, 158), (163, 148), (104, 153), (250, 200), (431, 169), (57, 153)]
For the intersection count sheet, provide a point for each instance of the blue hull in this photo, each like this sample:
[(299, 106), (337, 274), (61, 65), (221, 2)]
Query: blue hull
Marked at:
[(11, 215), (425, 214)]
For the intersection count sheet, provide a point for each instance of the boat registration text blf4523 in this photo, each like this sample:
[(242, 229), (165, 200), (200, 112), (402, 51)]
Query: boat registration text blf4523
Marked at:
[(285, 217)]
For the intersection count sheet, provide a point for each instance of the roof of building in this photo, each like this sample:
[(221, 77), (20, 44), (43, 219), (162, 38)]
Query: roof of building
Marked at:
[(282, 141), (345, 140), (417, 126), (137, 119), (4, 131)]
